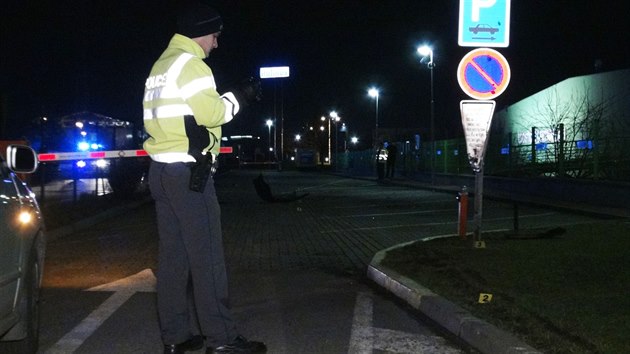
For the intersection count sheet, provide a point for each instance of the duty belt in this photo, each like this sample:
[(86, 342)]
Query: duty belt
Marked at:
[(205, 167)]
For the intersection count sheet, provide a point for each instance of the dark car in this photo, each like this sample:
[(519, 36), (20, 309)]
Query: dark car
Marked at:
[(483, 28), (22, 248)]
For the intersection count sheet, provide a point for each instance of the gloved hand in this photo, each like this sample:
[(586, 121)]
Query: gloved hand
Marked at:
[(248, 91)]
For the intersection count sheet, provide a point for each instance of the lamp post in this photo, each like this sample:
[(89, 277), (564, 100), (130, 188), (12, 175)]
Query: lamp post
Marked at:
[(269, 124), (373, 92), (277, 72), (428, 51), (335, 116), (323, 128)]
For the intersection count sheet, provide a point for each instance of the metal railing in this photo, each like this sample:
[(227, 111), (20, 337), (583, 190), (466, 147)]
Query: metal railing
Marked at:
[(603, 159)]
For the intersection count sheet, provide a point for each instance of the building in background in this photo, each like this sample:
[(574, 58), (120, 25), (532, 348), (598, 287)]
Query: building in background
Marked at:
[(578, 127)]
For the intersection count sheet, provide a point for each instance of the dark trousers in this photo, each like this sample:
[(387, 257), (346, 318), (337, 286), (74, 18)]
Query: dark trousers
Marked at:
[(192, 289), (380, 170), (391, 166)]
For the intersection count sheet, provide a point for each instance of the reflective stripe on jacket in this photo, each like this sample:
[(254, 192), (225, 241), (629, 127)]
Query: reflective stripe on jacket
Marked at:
[(381, 155)]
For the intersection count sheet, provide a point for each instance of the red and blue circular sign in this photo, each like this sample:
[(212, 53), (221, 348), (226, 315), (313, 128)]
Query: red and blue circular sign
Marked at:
[(483, 74)]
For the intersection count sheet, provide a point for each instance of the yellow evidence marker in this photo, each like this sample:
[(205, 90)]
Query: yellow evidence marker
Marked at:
[(485, 298)]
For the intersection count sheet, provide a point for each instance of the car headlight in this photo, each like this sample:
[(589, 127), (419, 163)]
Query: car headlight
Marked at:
[(25, 217)]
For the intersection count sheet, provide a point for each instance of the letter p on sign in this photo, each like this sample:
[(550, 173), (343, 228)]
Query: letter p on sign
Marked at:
[(477, 5)]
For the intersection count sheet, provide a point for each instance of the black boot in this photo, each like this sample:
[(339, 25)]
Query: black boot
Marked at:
[(239, 345), (194, 343)]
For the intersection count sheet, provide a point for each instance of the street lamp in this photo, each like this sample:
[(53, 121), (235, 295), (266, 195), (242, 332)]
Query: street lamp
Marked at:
[(334, 116), (269, 124), (373, 92), (425, 51), (322, 128)]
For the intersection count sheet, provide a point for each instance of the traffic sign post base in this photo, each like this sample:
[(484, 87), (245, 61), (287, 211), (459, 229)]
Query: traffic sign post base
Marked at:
[(476, 120)]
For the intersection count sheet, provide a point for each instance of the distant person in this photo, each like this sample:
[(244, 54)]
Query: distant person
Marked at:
[(183, 115), (392, 152), (381, 161)]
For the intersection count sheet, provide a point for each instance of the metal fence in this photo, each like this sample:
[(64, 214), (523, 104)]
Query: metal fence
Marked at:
[(586, 159)]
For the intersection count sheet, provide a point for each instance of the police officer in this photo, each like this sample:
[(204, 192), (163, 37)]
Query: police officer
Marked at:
[(392, 152), (381, 160), (183, 115)]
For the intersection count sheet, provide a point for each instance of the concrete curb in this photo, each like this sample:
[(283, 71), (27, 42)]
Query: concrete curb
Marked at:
[(477, 333)]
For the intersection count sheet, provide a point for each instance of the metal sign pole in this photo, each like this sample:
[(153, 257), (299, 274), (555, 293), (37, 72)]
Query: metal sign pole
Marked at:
[(478, 208), (476, 120), (483, 74), (272, 73)]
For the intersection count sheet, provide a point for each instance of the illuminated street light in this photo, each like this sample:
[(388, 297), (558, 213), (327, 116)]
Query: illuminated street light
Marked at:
[(324, 119), (425, 51), (334, 116), (269, 123), (373, 92)]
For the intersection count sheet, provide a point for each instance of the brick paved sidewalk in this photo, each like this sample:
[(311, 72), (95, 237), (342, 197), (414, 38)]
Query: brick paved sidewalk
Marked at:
[(313, 232)]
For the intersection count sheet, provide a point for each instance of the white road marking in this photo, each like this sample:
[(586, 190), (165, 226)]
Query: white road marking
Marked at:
[(365, 338), (123, 289), (362, 336), (409, 343)]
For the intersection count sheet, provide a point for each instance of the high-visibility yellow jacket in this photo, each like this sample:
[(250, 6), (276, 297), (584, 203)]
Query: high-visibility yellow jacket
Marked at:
[(183, 112)]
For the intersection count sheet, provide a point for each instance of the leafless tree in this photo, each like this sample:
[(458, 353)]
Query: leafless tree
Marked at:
[(573, 130)]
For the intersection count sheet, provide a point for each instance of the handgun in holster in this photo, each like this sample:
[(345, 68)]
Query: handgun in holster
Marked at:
[(205, 167)]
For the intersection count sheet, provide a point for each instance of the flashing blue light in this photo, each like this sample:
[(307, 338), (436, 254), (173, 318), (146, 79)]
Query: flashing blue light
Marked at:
[(83, 146), (94, 146), (439, 152), (81, 164), (541, 146), (505, 150), (584, 144)]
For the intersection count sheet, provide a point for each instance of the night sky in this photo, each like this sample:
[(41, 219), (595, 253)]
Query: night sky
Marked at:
[(63, 56)]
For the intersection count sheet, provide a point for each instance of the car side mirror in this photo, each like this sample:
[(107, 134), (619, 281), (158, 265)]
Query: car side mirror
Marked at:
[(21, 159)]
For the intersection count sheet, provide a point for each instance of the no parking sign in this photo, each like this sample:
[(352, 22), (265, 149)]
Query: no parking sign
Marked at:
[(483, 74)]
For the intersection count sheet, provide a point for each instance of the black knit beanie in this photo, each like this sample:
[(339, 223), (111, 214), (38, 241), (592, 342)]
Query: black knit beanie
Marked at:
[(197, 20)]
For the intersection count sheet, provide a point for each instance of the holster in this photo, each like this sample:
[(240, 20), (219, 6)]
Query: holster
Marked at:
[(205, 167)]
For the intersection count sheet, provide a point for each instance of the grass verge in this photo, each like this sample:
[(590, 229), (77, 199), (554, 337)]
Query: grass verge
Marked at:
[(564, 294)]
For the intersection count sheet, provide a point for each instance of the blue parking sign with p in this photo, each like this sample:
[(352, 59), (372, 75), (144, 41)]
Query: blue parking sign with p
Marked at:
[(484, 23)]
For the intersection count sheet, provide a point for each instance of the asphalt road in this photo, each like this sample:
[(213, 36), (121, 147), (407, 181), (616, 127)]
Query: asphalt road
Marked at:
[(297, 269)]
